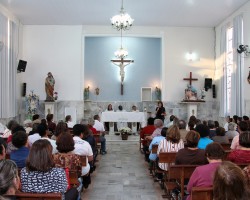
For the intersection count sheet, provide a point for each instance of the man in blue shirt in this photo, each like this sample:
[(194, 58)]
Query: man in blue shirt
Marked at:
[(20, 141)]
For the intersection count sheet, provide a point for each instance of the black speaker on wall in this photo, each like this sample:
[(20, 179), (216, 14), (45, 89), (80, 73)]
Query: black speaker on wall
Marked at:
[(214, 92), (208, 83), (24, 90), (21, 66)]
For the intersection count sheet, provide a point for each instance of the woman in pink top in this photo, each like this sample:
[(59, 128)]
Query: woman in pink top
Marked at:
[(241, 155), (203, 175)]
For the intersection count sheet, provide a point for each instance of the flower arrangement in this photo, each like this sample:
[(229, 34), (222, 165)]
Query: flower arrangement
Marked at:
[(125, 130), (32, 102)]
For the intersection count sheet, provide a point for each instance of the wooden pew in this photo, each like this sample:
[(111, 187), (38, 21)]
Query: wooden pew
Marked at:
[(167, 158), (179, 173), (204, 193), (97, 139), (37, 196), (141, 140)]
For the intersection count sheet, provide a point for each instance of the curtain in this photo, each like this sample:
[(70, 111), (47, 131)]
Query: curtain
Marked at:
[(237, 94), (223, 80), (8, 67)]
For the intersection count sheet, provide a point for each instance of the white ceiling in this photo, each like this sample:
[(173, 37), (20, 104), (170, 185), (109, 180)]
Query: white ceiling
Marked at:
[(194, 13)]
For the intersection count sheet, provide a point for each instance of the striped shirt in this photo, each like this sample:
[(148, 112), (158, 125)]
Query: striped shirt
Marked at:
[(168, 146)]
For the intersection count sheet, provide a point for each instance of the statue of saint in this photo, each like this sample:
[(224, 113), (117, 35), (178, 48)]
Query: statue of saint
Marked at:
[(86, 93), (190, 93), (158, 93), (49, 87)]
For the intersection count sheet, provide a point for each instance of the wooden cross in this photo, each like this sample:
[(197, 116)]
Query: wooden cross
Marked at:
[(190, 79), (122, 63)]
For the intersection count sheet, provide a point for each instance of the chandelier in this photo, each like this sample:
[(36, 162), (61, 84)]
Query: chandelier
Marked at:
[(122, 21), (121, 52)]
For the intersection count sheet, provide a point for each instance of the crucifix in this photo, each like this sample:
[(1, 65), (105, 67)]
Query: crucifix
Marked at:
[(122, 63), (190, 79)]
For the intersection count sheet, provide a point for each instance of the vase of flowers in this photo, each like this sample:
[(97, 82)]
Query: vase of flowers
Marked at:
[(32, 103), (125, 131)]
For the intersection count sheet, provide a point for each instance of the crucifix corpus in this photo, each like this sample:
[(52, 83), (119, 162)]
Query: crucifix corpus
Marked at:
[(122, 63)]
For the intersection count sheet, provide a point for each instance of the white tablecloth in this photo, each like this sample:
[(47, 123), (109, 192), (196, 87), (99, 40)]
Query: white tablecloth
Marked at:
[(124, 117)]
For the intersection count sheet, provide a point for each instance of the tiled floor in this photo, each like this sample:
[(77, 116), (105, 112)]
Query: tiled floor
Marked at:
[(122, 174)]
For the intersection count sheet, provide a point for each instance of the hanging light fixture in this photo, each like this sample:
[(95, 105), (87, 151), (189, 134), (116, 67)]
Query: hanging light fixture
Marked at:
[(122, 21), (121, 52)]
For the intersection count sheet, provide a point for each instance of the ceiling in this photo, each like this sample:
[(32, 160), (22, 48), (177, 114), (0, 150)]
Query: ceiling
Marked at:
[(189, 13)]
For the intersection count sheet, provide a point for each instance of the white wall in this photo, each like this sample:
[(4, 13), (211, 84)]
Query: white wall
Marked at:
[(55, 49)]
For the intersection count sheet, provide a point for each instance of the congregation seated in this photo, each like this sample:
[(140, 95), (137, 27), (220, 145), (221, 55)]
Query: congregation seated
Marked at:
[(156, 141), (172, 143), (100, 127), (40, 174), (182, 128), (43, 131), (191, 155), (203, 130), (203, 175), (191, 123), (9, 179), (68, 121), (158, 123), (83, 148), (147, 130), (242, 127), (27, 125), (231, 133), (242, 154), (230, 183), (171, 121), (9, 130), (35, 136), (10, 146), (220, 136), (3, 147), (19, 155), (51, 124), (212, 129), (61, 127)]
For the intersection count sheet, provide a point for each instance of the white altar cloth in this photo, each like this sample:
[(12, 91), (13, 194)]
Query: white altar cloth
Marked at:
[(124, 117)]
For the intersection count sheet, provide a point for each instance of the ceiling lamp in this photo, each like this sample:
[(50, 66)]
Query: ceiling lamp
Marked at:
[(123, 21)]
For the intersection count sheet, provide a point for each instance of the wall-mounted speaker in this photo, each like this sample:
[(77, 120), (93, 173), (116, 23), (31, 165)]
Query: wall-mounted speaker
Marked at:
[(208, 83), (214, 92), (24, 89), (21, 66)]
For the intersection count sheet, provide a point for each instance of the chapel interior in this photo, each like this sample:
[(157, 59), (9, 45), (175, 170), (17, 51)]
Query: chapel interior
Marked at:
[(175, 49)]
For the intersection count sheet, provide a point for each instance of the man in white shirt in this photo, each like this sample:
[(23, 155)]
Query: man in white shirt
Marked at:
[(83, 148), (99, 127), (43, 132), (34, 137)]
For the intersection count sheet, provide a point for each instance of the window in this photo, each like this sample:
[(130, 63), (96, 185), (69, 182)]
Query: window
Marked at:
[(229, 68)]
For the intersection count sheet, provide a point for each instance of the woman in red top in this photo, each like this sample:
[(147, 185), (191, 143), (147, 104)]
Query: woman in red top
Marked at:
[(241, 155)]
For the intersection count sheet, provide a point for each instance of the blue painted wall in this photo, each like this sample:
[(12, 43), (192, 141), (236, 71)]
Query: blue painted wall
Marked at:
[(144, 72)]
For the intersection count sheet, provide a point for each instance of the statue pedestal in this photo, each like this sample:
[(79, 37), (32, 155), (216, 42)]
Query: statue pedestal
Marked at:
[(192, 107), (51, 108)]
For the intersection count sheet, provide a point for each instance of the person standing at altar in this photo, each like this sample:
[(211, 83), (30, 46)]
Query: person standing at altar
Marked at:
[(121, 124), (160, 111), (109, 109)]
